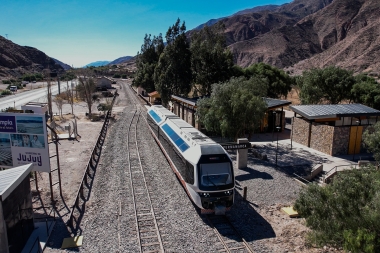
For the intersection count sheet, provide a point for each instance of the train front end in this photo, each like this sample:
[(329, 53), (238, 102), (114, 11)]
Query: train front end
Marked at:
[(216, 183)]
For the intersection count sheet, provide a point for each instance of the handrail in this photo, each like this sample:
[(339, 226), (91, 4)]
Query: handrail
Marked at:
[(334, 170), (89, 163), (302, 179)]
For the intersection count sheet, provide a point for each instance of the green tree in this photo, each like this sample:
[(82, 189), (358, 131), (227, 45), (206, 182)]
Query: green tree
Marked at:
[(235, 108), (211, 61), (280, 83), (172, 74), (366, 91), (371, 137), (146, 62), (345, 213), (330, 85)]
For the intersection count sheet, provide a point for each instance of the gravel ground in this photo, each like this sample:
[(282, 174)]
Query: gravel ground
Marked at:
[(182, 227)]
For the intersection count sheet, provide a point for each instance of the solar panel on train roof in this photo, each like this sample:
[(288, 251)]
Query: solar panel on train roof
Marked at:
[(181, 124), (165, 112)]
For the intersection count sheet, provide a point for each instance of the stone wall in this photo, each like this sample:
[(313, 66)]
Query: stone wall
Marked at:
[(322, 137), (300, 131), (341, 140)]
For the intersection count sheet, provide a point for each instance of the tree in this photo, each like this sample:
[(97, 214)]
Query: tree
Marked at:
[(366, 91), (103, 107), (172, 74), (371, 137), (330, 85), (345, 213), (235, 108), (59, 101), (146, 62), (280, 83), (86, 88), (211, 61), (70, 98)]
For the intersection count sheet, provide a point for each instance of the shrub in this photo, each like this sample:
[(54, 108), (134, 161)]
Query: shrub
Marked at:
[(6, 82), (116, 76), (6, 92), (345, 213)]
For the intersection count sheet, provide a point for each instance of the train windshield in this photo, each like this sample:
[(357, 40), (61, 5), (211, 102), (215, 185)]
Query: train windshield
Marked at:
[(215, 174)]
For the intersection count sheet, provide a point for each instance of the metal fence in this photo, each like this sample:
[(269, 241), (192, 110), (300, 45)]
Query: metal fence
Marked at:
[(95, 154)]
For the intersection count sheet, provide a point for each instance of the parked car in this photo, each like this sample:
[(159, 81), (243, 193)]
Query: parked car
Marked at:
[(13, 88)]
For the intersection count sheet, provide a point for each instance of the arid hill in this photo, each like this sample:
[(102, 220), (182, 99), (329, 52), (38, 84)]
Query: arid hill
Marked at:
[(16, 60), (308, 33)]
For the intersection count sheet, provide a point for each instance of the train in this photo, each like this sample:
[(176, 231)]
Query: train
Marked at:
[(203, 167)]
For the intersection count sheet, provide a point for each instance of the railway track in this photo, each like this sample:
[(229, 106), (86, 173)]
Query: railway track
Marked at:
[(148, 234), (227, 234)]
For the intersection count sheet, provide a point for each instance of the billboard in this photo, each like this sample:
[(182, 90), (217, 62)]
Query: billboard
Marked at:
[(23, 140)]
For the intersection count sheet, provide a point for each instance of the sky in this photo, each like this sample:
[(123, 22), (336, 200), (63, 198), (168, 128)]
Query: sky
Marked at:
[(85, 31)]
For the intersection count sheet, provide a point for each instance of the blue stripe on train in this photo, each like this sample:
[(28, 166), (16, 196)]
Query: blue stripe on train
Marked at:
[(155, 116), (181, 144)]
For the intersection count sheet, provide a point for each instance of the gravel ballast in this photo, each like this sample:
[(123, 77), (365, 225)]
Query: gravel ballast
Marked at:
[(108, 223)]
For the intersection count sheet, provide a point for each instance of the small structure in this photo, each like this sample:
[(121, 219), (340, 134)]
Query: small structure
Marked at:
[(274, 116), (35, 107), (332, 129), (16, 213), (103, 83), (141, 91), (154, 98), (185, 108)]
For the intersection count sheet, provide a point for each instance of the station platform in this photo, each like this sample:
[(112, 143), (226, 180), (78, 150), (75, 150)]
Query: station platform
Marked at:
[(290, 153)]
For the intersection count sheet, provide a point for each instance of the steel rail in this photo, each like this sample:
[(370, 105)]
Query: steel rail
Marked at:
[(151, 213), (237, 233)]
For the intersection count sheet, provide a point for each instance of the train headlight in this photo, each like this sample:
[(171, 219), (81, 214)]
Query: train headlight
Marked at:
[(204, 194), (229, 192)]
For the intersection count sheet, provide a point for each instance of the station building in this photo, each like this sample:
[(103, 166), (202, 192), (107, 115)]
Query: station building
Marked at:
[(332, 129), (274, 117)]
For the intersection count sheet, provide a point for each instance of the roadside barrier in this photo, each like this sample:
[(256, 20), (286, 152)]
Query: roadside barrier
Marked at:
[(91, 165)]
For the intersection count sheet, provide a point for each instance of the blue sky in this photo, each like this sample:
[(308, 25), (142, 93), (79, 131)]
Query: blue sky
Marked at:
[(80, 32)]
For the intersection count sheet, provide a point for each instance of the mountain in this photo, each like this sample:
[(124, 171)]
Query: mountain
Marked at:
[(97, 64), (120, 60), (16, 60), (63, 65), (308, 33), (254, 9)]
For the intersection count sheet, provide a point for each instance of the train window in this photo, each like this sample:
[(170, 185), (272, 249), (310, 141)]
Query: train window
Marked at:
[(213, 174)]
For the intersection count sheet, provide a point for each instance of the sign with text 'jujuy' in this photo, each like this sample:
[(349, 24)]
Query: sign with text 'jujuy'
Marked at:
[(23, 140)]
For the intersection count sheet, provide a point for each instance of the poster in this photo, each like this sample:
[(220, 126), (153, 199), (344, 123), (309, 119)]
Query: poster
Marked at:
[(23, 140)]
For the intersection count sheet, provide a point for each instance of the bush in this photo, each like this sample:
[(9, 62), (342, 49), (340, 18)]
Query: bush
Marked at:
[(6, 92), (345, 213), (6, 82), (116, 76), (124, 76)]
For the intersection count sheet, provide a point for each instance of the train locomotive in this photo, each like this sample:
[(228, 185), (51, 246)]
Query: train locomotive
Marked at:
[(203, 167)]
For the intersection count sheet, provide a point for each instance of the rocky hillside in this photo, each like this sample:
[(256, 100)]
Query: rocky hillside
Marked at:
[(16, 60), (308, 33)]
